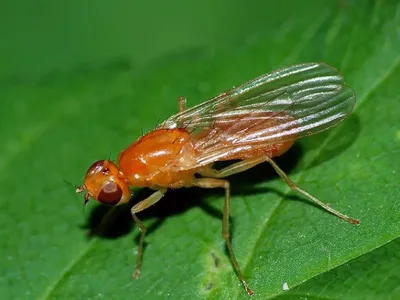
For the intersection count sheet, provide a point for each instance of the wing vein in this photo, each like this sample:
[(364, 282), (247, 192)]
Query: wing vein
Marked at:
[(277, 107)]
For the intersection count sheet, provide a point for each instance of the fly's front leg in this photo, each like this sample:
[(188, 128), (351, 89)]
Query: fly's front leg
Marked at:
[(149, 201), (232, 169), (295, 187), (219, 183)]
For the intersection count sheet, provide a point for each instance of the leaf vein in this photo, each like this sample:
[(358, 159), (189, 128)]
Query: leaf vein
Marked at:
[(69, 267)]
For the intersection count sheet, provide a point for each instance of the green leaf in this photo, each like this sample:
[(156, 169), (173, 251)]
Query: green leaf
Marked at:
[(54, 128), (372, 276)]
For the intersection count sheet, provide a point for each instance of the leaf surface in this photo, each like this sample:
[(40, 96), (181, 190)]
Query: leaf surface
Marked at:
[(55, 127)]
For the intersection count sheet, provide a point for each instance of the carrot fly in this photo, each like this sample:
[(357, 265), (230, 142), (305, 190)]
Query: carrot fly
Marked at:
[(252, 123)]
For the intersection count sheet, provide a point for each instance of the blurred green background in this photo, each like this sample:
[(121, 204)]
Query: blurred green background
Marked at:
[(80, 80), (44, 36)]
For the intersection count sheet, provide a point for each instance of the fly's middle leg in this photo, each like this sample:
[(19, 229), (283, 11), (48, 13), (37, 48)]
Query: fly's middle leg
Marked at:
[(220, 183)]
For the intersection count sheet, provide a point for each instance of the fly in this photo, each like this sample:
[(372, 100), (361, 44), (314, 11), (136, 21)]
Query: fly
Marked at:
[(252, 123)]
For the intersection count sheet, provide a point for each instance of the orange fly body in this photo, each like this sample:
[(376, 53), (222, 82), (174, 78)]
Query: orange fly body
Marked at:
[(252, 123)]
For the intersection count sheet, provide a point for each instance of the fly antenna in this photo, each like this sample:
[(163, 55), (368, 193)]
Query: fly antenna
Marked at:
[(71, 184), (79, 189)]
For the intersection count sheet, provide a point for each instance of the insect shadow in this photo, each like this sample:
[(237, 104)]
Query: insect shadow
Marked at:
[(111, 223)]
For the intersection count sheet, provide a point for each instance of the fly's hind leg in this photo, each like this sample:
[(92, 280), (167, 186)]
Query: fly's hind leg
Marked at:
[(295, 187), (220, 183), (149, 201), (238, 167), (249, 163), (181, 104)]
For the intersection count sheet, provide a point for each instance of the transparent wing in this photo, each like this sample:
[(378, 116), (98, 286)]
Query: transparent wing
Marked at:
[(283, 105)]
